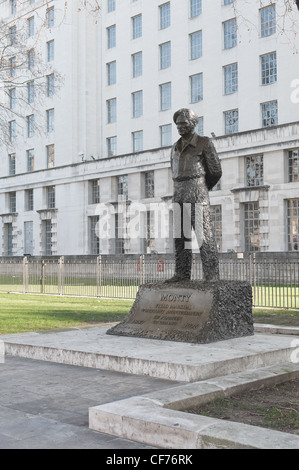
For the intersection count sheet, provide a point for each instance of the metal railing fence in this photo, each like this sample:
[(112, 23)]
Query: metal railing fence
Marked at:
[(274, 276)]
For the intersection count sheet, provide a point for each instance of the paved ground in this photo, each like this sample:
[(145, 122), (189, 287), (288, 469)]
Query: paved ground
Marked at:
[(44, 405)]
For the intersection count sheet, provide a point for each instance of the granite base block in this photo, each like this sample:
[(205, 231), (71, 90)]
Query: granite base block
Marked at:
[(190, 311)]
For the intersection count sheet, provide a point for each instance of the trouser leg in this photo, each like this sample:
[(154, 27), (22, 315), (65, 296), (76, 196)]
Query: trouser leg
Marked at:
[(208, 249), (182, 241)]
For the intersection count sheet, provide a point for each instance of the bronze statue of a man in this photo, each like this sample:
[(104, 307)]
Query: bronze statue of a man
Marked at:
[(196, 169)]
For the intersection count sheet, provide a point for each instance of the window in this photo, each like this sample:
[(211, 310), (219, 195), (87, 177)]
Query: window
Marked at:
[(216, 216), (30, 92), (111, 36), (254, 170), (166, 135), (93, 237), (95, 192), (165, 96), (13, 66), (149, 242), (228, 2), (50, 84), (12, 131), (199, 127), (111, 73), (9, 239), (149, 184), (165, 55), (269, 114), (13, 35), (196, 83), (12, 164), (13, 6), (51, 197), (137, 104), (268, 68), (112, 146), (293, 162), (119, 234), (122, 186), (251, 226), (12, 98), (137, 26), (195, 8), (230, 79), (231, 121), (293, 224), (30, 23), (111, 5), (137, 139), (31, 59), (50, 120), (50, 17), (50, 50), (12, 201), (164, 16), (50, 149), (47, 229), (230, 33), (268, 21), (111, 110), (196, 45), (30, 159), (30, 125), (29, 201), (137, 64)]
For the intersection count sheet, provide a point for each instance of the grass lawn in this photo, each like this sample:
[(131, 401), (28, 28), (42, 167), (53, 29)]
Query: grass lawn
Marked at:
[(20, 313)]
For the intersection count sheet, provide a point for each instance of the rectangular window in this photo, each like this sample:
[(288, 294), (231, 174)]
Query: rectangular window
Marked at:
[(13, 35), (12, 164), (216, 216), (149, 184), (13, 66), (122, 186), (231, 121), (196, 45), (50, 120), (137, 104), (269, 114), (50, 84), (268, 21), (293, 224), (50, 149), (12, 131), (112, 146), (137, 139), (165, 96), (13, 6), (230, 33), (51, 197), (111, 110), (9, 239), (111, 5), (30, 159), (230, 79), (195, 8), (31, 59), (293, 163), (50, 50), (164, 15), (30, 23), (137, 64), (137, 26), (12, 98), (30, 125), (95, 192), (251, 226), (29, 202), (119, 234), (111, 36), (12, 201), (50, 17), (196, 82), (93, 237), (254, 170), (228, 2), (199, 127), (165, 55), (111, 73), (166, 135), (268, 68), (47, 228), (30, 92), (150, 239)]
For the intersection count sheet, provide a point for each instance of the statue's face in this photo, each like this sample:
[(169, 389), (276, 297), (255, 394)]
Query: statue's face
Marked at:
[(184, 125)]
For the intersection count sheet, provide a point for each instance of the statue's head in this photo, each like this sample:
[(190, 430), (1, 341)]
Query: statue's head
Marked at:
[(186, 120)]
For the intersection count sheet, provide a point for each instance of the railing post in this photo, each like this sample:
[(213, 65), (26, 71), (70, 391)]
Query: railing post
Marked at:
[(25, 274), (99, 276), (60, 275), (42, 277), (141, 269)]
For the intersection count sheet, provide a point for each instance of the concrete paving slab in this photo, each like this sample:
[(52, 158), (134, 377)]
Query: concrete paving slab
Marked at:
[(186, 362)]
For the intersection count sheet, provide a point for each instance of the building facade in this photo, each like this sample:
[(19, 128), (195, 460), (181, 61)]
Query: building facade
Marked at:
[(85, 168)]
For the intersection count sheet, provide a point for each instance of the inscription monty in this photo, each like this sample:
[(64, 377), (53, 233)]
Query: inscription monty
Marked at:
[(175, 298)]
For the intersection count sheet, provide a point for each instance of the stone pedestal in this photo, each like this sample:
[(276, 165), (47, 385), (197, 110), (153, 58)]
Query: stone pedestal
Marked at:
[(190, 311)]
